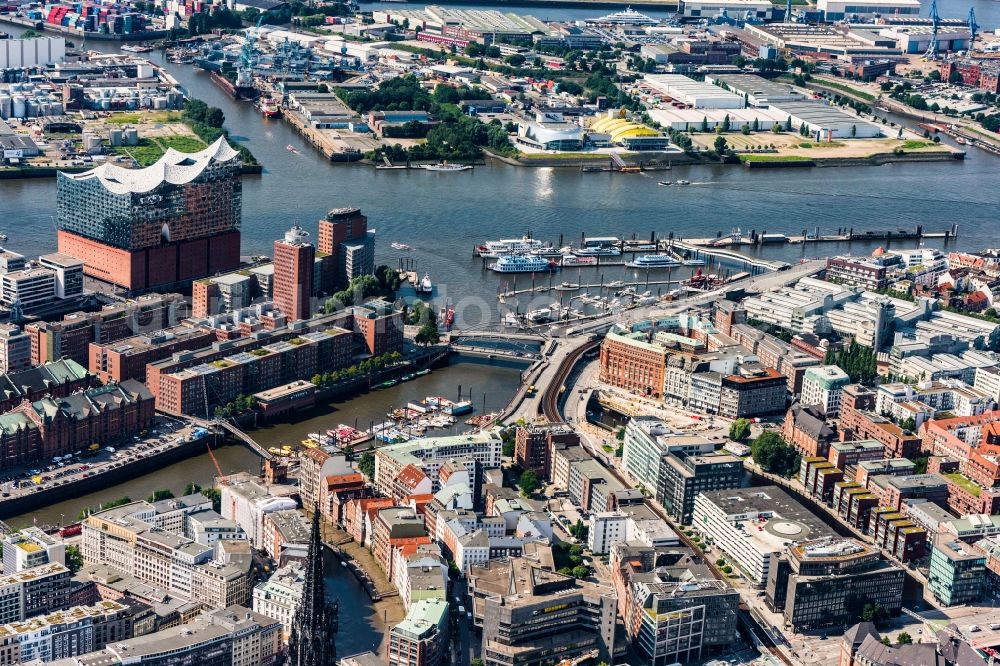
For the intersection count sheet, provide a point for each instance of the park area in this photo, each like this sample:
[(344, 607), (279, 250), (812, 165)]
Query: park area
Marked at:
[(791, 147)]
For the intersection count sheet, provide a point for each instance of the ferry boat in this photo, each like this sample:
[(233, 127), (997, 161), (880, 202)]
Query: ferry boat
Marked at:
[(540, 316), (576, 260), (268, 107), (653, 261), (599, 251), (497, 248), (445, 167), (425, 286), (522, 263), (547, 251)]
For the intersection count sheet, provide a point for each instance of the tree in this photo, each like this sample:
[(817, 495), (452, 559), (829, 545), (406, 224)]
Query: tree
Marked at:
[(528, 483), (704, 124), (215, 495), (366, 465), (580, 571), (745, 130), (721, 146), (858, 361), (774, 455), (740, 430), (903, 638), (726, 123), (477, 662), (191, 488), (74, 559), (854, 131), (161, 494), (515, 60), (874, 613), (30, 34), (428, 333)]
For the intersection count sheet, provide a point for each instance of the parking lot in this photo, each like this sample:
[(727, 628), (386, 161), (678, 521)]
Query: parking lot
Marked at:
[(62, 470)]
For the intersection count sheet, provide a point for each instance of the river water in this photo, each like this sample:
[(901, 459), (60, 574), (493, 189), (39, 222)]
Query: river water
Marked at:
[(443, 215)]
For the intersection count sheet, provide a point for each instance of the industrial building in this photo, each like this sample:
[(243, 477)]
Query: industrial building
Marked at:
[(35, 52), (695, 94), (709, 9), (756, 90), (828, 39), (826, 123), (839, 10)]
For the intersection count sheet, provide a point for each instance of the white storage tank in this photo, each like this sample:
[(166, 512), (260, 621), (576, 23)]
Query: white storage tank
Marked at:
[(131, 137), (5, 106), (115, 137), (18, 107), (91, 143)]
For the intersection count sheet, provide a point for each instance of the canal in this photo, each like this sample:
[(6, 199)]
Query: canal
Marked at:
[(492, 381)]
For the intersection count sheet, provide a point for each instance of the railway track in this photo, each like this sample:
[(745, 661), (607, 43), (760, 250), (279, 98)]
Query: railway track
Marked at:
[(550, 400)]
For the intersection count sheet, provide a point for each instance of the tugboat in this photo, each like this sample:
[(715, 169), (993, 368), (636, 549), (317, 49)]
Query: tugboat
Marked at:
[(268, 107)]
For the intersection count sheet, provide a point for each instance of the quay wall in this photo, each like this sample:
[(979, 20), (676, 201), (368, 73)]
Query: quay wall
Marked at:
[(15, 506)]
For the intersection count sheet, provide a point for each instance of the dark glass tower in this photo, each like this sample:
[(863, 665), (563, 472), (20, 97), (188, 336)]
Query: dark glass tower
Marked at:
[(311, 641)]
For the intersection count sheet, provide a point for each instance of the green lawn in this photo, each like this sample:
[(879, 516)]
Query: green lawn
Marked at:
[(913, 144), (185, 144), (826, 83), (136, 118), (963, 483)]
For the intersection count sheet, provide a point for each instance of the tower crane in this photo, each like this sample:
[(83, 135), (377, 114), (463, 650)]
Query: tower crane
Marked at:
[(973, 27), (932, 48)]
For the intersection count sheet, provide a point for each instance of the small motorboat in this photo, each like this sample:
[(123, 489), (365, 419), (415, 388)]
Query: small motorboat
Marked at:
[(395, 245), (290, 148), (682, 182), (664, 183)]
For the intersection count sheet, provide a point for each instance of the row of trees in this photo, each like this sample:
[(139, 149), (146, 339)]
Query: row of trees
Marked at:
[(383, 282), (365, 368), (238, 405), (858, 361)]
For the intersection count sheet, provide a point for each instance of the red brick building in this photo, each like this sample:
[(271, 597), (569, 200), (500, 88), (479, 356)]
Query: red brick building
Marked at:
[(49, 427), (57, 379), (379, 327), (630, 361), (532, 446), (806, 429), (127, 359), (346, 247), (294, 265)]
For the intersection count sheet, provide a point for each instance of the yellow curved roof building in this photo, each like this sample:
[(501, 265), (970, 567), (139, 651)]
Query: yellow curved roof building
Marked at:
[(619, 128)]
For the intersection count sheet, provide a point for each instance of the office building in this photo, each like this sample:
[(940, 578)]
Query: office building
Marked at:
[(673, 609), (234, 636), (827, 582), (957, 571), (280, 595), (29, 548), (65, 634), (429, 454), (421, 639), (167, 224), (530, 615), (533, 445), (344, 237), (42, 589), (30, 288), (378, 325), (753, 526), (224, 293), (823, 386), (68, 273), (294, 260), (15, 348)]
